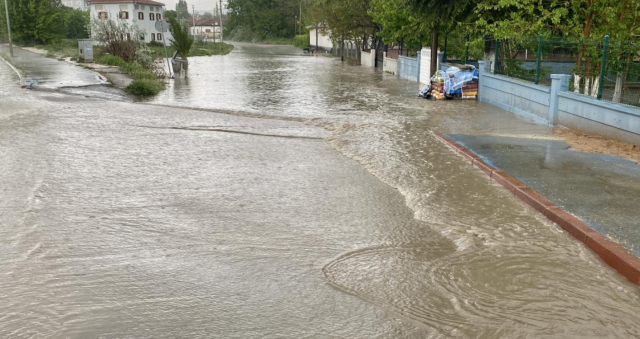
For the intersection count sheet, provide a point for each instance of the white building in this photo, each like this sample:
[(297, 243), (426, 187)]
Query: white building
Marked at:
[(143, 13), (209, 28), (76, 4), (323, 42)]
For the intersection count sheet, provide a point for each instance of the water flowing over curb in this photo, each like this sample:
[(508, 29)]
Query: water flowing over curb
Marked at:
[(611, 253), (22, 83)]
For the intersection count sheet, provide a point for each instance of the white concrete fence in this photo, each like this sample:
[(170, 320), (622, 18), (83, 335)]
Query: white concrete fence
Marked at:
[(555, 105)]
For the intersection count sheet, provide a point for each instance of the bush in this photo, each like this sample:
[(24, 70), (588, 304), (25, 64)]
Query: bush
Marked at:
[(182, 39), (301, 41), (155, 43), (111, 60), (145, 87)]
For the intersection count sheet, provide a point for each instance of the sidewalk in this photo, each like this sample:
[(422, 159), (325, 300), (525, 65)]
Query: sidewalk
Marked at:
[(601, 190)]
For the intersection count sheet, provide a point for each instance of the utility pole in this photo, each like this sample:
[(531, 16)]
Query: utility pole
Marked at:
[(221, 39), (213, 22), (300, 31), (193, 19), (6, 8)]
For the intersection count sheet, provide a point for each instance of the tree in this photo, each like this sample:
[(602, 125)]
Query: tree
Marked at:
[(171, 14), (35, 21), (76, 22), (261, 19), (182, 10), (207, 15), (117, 37), (581, 22), (182, 39), (348, 20)]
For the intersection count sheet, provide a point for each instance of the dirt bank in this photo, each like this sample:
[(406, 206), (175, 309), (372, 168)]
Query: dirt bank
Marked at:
[(597, 144)]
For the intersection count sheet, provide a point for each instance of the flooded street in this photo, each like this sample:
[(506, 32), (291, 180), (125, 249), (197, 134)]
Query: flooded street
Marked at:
[(290, 197)]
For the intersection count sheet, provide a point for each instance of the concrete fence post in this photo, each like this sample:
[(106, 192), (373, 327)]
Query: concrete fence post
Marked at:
[(559, 83), (483, 66), (419, 61)]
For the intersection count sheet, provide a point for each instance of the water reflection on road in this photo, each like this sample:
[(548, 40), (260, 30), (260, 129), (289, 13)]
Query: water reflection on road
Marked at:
[(146, 221)]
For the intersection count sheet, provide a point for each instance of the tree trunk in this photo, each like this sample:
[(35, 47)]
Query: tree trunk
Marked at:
[(595, 86), (617, 93), (434, 51), (342, 48), (576, 82)]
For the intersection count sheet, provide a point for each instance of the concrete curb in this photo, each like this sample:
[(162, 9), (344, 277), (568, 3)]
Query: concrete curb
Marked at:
[(611, 253), (22, 82)]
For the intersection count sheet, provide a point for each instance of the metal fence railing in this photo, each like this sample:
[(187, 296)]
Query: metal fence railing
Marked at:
[(601, 68)]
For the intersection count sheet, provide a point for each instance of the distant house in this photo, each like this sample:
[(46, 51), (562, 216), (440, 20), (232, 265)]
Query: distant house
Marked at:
[(143, 13), (76, 4), (209, 28), (323, 43)]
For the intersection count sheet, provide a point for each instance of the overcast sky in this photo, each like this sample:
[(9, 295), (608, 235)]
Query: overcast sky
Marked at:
[(200, 5)]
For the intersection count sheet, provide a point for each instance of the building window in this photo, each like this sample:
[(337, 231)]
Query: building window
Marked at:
[(99, 7), (124, 15), (153, 37), (142, 8), (151, 16), (159, 36), (103, 15), (137, 6), (208, 30), (128, 36), (158, 17), (140, 16), (142, 37), (123, 8)]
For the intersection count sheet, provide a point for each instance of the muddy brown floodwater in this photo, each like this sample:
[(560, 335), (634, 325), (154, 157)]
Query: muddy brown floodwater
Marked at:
[(300, 199)]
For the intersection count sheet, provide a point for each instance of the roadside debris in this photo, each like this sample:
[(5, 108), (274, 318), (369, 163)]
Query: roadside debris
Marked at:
[(458, 82)]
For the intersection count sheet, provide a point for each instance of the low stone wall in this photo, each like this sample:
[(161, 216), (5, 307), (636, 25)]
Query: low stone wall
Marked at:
[(555, 105), (592, 116), (515, 96)]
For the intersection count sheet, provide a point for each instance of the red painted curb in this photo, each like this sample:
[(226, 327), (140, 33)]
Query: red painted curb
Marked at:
[(611, 253)]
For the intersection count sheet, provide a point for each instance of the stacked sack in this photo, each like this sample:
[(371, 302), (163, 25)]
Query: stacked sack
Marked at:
[(455, 83)]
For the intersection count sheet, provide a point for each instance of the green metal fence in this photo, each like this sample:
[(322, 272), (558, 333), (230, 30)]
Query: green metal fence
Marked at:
[(602, 68)]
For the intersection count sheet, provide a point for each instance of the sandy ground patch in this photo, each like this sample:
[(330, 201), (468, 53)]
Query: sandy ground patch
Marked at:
[(597, 144)]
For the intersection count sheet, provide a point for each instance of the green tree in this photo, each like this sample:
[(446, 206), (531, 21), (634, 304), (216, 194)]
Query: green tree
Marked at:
[(35, 21), (260, 19), (182, 39), (207, 15), (182, 10), (171, 14), (348, 20), (76, 22)]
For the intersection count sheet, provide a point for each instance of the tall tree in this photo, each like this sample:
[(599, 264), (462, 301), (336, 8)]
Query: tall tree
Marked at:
[(182, 10), (35, 21), (76, 22), (260, 19)]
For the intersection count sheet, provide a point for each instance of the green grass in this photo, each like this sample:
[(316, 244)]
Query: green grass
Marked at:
[(145, 82), (64, 48), (146, 87), (208, 49)]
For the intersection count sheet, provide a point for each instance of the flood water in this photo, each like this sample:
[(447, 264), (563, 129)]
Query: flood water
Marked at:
[(302, 199)]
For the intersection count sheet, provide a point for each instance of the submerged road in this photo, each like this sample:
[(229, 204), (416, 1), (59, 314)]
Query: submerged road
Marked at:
[(300, 199)]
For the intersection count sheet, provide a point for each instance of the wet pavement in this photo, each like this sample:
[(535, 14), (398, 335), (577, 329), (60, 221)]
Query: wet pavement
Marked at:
[(296, 198), (602, 190)]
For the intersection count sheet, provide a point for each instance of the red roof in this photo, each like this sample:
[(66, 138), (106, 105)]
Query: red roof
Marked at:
[(205, 22), (143, 2)]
